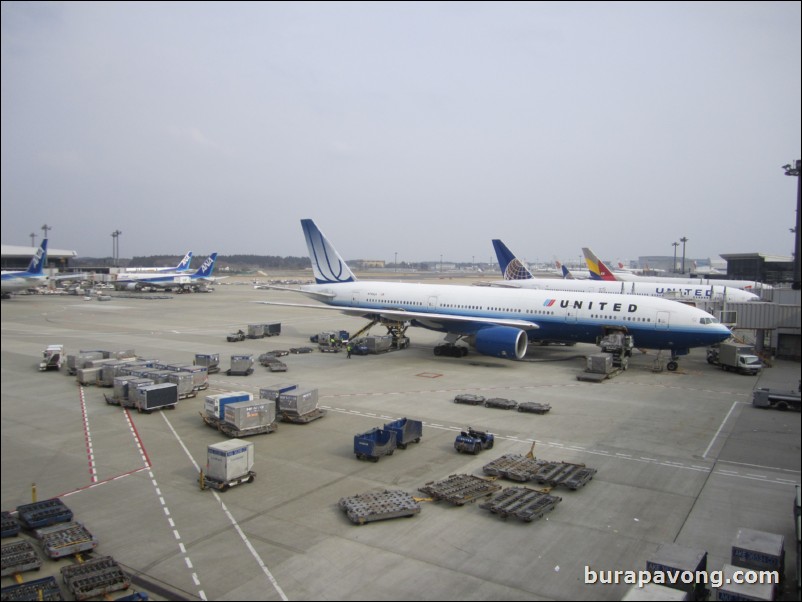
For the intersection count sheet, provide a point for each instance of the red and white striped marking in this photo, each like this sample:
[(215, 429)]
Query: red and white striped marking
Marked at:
[(88, 438)]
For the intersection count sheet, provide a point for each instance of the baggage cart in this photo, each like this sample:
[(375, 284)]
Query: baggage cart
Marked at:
[(65, 539), (39, 589), (94, 578), (374, 444), (406, 431), (19, 557), (369, 507), (10, 525), (44, 513)]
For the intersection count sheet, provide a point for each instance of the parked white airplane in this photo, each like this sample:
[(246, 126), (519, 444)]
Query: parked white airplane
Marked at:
[(17, 280), (182, 266), (177, 281), (516, 275), (599, 271), (500, 321)]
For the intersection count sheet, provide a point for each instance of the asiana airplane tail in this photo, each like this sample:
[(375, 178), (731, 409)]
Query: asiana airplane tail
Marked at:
[(598, 271)]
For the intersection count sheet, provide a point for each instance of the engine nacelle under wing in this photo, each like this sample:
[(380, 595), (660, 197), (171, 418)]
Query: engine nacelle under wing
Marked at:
[(501, 341)]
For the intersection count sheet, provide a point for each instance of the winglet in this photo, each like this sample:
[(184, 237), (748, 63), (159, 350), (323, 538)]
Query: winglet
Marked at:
[(327, 265), (512, 267), (598, 271)]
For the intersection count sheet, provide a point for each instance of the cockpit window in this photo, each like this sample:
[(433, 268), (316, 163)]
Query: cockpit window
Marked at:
[(708, 320)]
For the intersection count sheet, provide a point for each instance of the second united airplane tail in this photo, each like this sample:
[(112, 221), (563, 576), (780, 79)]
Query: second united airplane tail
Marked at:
[(511, 267)]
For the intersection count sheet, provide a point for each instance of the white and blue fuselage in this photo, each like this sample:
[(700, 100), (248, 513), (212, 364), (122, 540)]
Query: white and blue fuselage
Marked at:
[(655, 323)]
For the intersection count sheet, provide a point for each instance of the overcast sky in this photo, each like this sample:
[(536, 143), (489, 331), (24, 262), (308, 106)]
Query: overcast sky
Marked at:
[(418, 129)]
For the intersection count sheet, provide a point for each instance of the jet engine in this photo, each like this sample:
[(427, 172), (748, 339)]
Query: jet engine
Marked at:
[(501, 341)]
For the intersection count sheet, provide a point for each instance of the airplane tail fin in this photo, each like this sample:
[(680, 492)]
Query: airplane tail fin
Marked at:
[(512, 267), (38, 261), (327, 264), (566, 274), (598, 271), (183, 266), (205, 271)]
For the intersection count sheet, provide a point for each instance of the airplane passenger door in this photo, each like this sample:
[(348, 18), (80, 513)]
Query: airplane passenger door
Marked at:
[(355, 298), (432, 302), (571, 315), (662, 321)]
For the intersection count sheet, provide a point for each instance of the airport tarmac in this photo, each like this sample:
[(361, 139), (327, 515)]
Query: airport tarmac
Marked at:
[(682, 457)]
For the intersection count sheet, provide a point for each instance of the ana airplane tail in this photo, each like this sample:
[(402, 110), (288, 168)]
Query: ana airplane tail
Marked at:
[(327, 265), (512, 267), (205, 271), (183, 266), (38, 261), (598, 271)]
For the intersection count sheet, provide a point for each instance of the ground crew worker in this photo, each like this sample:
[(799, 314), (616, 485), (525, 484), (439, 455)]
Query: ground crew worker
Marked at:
[(348, 350)]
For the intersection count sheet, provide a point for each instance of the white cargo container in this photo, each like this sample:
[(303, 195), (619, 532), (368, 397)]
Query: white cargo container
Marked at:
[(229, 460), (215, 404)]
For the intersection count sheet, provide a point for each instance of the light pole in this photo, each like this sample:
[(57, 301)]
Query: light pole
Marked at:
[(683, 240), (674, 265), (115, 248), (33, 239), (45, 228), (395, 262), (441, 263), (794, 171)]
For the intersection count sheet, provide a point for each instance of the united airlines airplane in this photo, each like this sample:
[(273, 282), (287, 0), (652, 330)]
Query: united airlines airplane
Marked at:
[(32, 277), (516, 275), (498, 321)]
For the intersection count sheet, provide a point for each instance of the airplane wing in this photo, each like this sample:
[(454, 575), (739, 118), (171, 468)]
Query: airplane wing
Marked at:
[(420, 316), (315, 295)]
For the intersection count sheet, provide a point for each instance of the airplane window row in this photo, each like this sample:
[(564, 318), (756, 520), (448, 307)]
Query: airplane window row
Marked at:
[(404, 303), (708, 321), (624, 318)]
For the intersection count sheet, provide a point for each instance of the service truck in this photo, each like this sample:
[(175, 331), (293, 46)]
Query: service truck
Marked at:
[(739, 357)]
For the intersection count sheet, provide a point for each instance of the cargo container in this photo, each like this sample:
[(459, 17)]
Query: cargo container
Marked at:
[(298, 402), (210, 361), (156, 397), (653, 591), (672, 560), (730, 590), (245, 418), (274, 391), (123, 386), (228, 463), (241, 365), (600, 363), (87, 376), (256, 331), (200, 376), (216, 404), (272, 330), (183, 380), (372, 344), (759, 550)]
